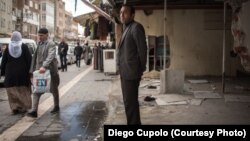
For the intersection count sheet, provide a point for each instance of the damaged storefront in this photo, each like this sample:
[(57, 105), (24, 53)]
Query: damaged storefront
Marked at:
[(98, 24), (193, 36)]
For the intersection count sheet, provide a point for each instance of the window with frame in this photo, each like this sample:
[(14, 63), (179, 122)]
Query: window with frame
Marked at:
[(31, 3), (26, 2), (43, 17), (31, 27), (4, 6), (25, 28), (43, 6)]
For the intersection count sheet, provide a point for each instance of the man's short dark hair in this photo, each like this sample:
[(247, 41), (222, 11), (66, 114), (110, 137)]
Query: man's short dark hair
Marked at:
[(131, 8), (43, 30)]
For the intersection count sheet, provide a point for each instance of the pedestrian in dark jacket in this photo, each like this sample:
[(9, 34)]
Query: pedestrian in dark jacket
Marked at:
[(63, 50), (15, 67), (78, 53)]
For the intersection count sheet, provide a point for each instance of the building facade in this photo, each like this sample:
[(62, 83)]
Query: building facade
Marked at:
[(25, 17), (59, 20), (5, 18), (47, 19), (68, 23), (74, 30)]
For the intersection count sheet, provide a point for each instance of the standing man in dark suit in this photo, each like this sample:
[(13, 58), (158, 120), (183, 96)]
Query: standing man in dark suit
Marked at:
[(62, 50), (131, 61)]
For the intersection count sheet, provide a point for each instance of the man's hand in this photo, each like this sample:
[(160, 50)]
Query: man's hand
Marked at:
[(31, 77), (42, 70)]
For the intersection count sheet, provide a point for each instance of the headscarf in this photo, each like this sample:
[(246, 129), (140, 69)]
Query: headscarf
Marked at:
[(15, 44)]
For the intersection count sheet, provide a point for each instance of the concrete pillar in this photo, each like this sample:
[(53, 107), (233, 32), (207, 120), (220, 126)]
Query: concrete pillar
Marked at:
[(118, 33), (172, 81)]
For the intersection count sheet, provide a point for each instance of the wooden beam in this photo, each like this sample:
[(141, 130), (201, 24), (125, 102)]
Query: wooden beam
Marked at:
[(155, 7), (98, 10)]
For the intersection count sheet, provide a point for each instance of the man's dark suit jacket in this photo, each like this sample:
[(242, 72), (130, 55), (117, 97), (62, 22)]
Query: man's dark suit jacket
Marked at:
[(132, 52), (63, 48)]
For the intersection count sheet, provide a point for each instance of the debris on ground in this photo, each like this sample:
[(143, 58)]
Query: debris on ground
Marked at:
[(149, 98), (151, 87), (154, 74), (242, 88), (161, 102), (150, 84), (213, 87), (196, 101), (198, 81), (103, 80), (206, 94), (236, 98), (173, 99)]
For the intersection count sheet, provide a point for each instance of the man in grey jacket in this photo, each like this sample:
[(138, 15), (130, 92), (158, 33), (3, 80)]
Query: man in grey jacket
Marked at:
[(131, 61), (43, 59)]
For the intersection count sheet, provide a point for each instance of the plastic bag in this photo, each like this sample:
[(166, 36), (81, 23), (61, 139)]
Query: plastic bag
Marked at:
[(41, 82)]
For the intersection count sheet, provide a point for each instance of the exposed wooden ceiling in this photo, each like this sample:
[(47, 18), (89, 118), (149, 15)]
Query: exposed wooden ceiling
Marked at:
[(170, 3)]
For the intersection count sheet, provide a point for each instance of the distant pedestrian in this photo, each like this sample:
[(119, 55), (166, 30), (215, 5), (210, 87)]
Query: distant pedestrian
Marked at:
[(63, 50), (131, 61), (78, 53), (88, 54), (43, 59), (95, 54), (15, 67), (100, 48)]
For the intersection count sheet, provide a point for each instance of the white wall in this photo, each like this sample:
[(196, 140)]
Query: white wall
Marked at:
[(195, 38)]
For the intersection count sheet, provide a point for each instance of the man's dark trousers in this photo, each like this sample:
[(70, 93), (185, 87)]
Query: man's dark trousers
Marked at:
[(63, 59), (130, 99), (78, 60)]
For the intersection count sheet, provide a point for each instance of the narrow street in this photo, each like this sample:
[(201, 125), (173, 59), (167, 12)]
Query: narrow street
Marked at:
[(83, 97)]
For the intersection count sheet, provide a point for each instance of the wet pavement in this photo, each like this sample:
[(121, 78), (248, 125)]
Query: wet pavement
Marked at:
[(78, 121), (83, 110)]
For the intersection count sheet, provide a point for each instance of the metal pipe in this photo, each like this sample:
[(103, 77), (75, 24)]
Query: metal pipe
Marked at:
[(224, 50), (165, 48)]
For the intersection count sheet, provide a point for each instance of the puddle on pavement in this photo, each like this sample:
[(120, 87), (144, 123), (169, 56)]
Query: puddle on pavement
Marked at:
[(76, 122)]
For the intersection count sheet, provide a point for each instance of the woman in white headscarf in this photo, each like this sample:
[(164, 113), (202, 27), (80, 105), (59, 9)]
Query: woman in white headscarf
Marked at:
[(15, 67)]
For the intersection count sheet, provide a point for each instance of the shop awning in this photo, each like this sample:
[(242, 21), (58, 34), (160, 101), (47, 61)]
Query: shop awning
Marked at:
[(92, 15), (84, 17), (97, 9)]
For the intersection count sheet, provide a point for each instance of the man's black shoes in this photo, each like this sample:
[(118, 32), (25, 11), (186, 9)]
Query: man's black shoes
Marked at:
[(32, 114), (55, 110)]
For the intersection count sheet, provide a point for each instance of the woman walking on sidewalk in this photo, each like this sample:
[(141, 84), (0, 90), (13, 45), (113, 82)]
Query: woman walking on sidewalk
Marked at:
[(15, 66)]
